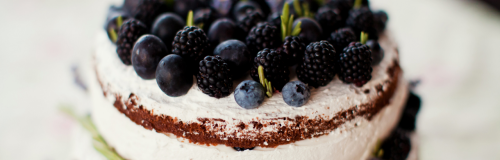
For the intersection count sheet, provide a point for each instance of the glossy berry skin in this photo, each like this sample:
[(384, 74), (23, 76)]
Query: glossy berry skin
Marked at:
[(341, 38), (112, 24), (205, 17), (166, 27), (361, 20), (249, 94), (380, 21), (329, 20), (318, 66), (275, 70), (236, 54), (172, 76), (293, 50), (129, 32), (221, 30), (191, 43), (182, 7), (261, 36), (296, 93), (311, 30), (214, 77), (146, 54), (148, 10), (129, 6), (241, 8), (355, 64), (397, 146), (377, 51), (242, 149)]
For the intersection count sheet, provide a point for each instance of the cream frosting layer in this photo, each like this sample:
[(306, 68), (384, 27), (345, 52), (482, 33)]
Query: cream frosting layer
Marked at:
[(325, 102), (353, 140)]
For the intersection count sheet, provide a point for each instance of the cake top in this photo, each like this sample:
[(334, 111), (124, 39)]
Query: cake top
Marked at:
[(304, 41)]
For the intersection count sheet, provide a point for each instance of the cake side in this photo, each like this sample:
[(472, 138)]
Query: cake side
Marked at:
[(220, 121)]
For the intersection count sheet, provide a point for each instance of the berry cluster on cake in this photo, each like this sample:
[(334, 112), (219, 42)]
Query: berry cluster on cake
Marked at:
[(195, 79)]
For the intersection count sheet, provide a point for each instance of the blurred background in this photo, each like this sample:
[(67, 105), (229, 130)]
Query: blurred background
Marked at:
[(451, 46)]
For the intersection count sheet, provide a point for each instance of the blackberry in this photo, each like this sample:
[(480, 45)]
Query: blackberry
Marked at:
[(342, 7), (129, 32), (204, 17), (355, 64), (361, 20), (293, 50), (214, 77), (329, 20), (250, 20), (275, 70), (341, 38), (148, 10), (261, 36), (397, 146), (318, 65), (191, 43)]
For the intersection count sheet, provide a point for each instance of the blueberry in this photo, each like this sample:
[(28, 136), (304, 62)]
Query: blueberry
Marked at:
[(236, 54), (311, 30), (240, 149), (242, 7), (183, 7), (249, 94), (166, 27), (172, 76), (296, 93), (147, 52), (112, 24), (222, 30), (204, 17), (377, 51)]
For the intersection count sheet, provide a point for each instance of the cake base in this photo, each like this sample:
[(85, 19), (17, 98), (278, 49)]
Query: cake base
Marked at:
[(132, 141)]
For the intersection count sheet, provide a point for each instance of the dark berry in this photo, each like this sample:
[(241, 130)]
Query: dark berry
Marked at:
[(148, 10), (293, 50), (241, 8), (191, 43), (261, 36), (361, 20), (182, 7), (172, 76), (250, 19), (318, 66), (311, 31), (112, 26), (166, 27), (275, 70), (214, 78), (129, 32), (236, 54), (222, 30), (380, 21), (249, 94), (129, 6), (296, 93), (329, 20), (410, 112), (377, 51), (204, 17), (275, 19), (147, 52), (313, 7), (397, 146), (239, 149), (341, 38), (115, 11), (264, 6), (342, 7), (355, 64)]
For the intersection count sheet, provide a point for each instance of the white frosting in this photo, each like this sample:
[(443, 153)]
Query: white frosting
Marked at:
[(325, 101), (353, 140)]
